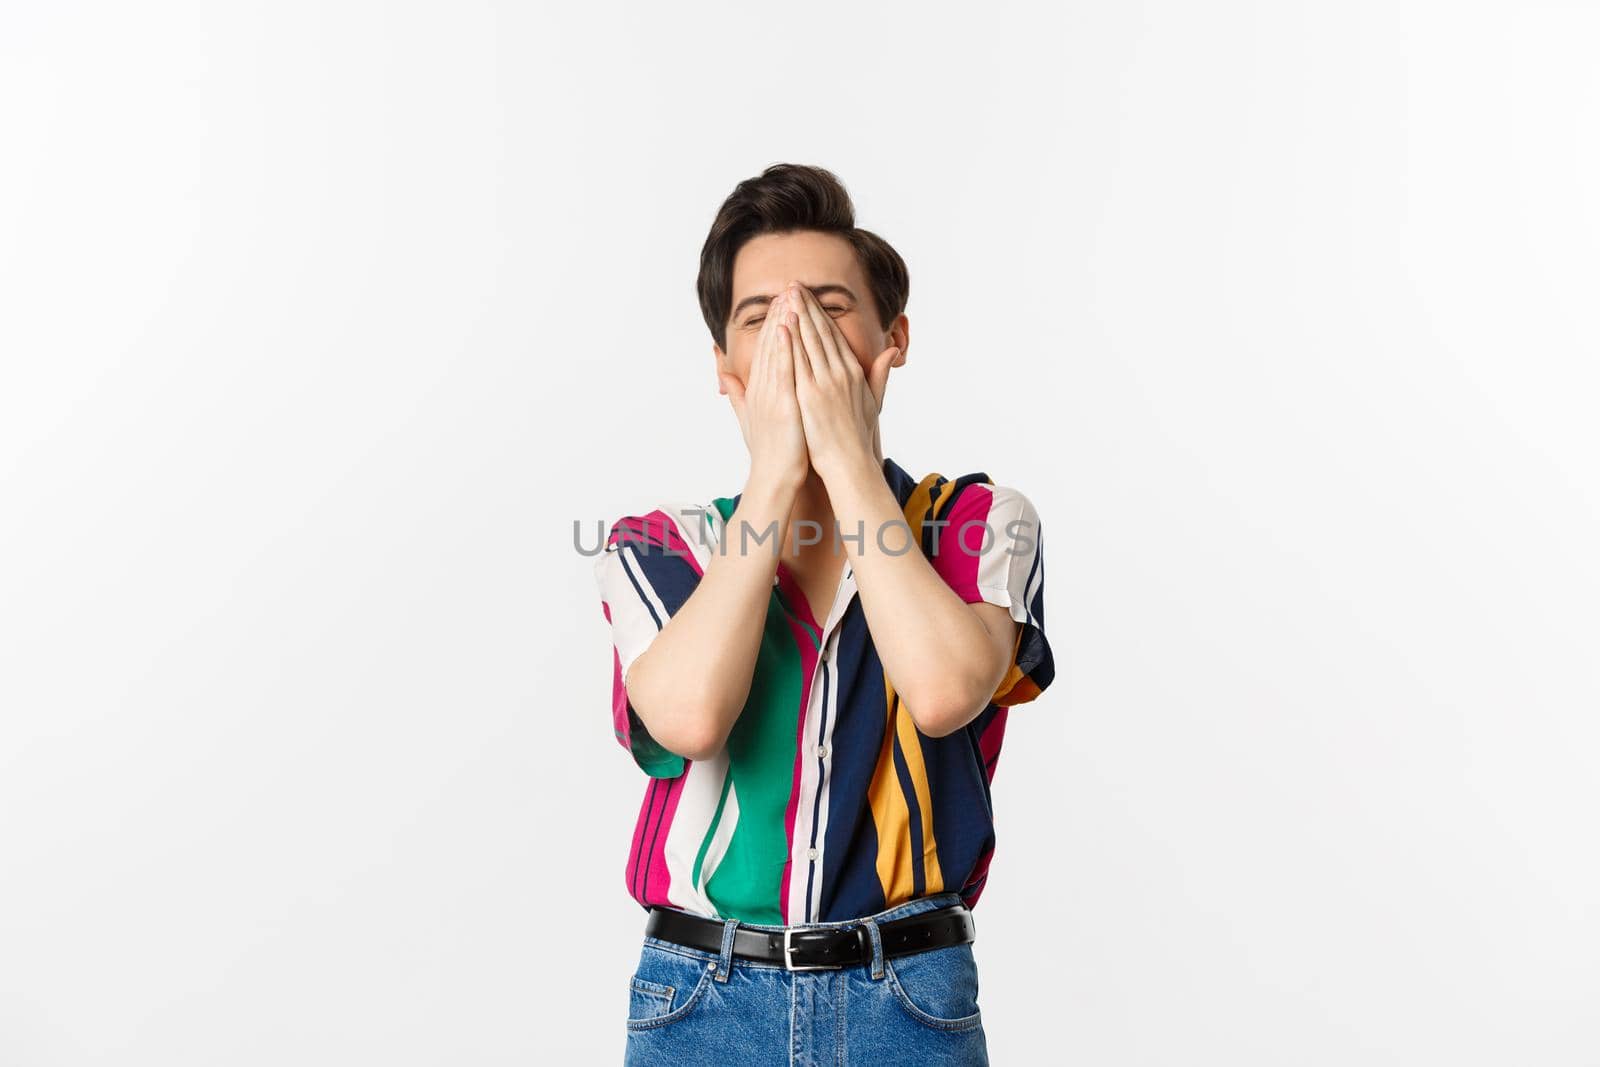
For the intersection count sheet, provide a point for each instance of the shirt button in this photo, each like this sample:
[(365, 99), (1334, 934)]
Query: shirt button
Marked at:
[(811, 853), (822, 751)]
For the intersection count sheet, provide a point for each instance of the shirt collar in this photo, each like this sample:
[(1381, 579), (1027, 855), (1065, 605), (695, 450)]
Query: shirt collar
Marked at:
[(900, 482)]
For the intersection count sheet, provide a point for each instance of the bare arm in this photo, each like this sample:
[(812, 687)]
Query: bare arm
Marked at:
[(944, 655), (690, 685)]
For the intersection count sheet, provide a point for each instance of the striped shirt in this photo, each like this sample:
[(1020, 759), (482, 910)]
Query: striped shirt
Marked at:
[(826, 803)]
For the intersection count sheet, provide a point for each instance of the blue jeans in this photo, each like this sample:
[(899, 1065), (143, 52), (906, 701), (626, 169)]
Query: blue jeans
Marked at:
[(687, 1006)]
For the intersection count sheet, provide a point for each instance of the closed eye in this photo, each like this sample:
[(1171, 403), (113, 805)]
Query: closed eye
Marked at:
[(757, 320)]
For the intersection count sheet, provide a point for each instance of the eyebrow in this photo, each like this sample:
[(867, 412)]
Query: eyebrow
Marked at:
[(819, 291)]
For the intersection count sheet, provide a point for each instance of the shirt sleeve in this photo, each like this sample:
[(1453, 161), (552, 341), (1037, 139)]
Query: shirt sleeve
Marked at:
[(644, 575), (991, 549)]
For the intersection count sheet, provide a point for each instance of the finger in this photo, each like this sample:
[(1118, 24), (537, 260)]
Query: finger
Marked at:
[(820, 362), (775, 314), (775, 360), (799, 358), (762, 369), (841, 345), (777, 311), (805, 381), (785, 360), (825, 329), (769, 324)]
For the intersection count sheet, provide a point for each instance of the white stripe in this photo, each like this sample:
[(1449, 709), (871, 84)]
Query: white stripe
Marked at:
[(632, 627), (697, 804), (721, 839), (1002, 572), (1023, 563), (699, 531), (812, 778), (1038, 579)]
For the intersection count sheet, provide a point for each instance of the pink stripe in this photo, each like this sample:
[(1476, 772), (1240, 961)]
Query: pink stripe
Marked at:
[(649, 844), (650, 831), (979, 869), (957, 559), (619, 695), (658, 529), (988, 749), (993, 734), (793, 594)]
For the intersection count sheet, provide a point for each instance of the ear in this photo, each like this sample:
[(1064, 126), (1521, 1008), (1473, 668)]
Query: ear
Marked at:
[(720, 360), (878, 378), (894, 355)]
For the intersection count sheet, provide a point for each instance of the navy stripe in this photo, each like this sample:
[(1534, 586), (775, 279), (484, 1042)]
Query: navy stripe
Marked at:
[(1038, 561), (650, 796), (918, 875), (622, 555), (658, 821)]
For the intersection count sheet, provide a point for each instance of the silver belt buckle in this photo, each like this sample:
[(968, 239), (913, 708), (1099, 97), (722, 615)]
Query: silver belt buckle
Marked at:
[(788, 950)]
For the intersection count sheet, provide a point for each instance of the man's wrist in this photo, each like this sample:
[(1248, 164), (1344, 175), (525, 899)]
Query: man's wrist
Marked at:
[(773, 489), (851, 478), (757, 525)]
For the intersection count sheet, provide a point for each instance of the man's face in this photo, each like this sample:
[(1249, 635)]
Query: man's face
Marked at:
[(822, 262)]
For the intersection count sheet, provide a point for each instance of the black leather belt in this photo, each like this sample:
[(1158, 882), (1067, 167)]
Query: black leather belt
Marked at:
[(812, 949)]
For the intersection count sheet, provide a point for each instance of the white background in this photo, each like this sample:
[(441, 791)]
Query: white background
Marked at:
[(322, 323)]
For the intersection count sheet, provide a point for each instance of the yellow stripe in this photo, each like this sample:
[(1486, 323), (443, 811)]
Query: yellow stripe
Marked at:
[(1002, 692), (890, 812), (892, 818)]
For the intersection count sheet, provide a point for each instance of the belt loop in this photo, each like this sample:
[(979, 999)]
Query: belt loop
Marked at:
[(875, 968), (724, 964)]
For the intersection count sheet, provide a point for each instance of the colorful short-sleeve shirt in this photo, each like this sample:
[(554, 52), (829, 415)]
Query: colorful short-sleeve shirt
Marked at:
[(826, 803)]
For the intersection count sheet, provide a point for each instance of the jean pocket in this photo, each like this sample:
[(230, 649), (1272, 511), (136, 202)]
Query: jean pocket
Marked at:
[(939, 987), (665, 987)]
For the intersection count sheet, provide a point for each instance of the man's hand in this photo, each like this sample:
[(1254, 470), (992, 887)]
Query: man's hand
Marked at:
[(766, 405), (839, 404)]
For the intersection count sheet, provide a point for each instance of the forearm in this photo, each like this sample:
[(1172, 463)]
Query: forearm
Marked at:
[(692, 682), (934, 648)]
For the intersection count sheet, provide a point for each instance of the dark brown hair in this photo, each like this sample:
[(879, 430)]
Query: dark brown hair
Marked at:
[(782, 198)]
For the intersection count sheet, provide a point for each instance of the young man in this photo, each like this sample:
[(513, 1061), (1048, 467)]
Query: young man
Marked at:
[(815, 672)]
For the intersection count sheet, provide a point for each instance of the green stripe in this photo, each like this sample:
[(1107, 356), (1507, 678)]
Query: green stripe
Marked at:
[(705, 844), (761, 753)]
